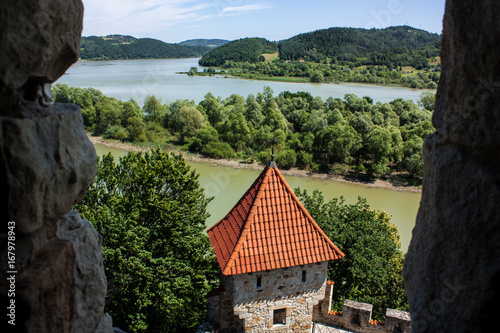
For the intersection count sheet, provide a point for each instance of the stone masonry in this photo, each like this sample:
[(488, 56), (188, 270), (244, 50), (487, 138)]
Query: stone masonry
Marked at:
[(278, 289), (357, 316)]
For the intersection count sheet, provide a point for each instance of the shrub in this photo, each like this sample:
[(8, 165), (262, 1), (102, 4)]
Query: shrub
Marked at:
[(286, 159), (263, 157), (218, 150), (117, 132), (304, 159)]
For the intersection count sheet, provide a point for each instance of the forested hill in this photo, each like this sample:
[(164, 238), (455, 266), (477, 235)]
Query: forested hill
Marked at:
[(393, 46), (241, 50), (114, 47), (211, 43)]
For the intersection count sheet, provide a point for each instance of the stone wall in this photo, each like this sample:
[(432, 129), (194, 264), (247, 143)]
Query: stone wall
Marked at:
[(452, 268), (279, 289), (56, 277), (254, 313), (357, 316)]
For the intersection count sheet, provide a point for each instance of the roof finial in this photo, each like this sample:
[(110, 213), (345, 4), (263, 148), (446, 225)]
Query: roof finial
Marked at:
[(272, 164)]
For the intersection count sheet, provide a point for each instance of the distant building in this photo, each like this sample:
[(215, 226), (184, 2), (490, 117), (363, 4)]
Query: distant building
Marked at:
[(273, 258)]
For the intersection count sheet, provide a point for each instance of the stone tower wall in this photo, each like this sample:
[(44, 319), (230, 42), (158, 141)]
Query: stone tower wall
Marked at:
[(279, 289)]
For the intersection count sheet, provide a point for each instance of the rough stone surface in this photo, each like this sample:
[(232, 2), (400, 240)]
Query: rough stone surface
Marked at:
[(90, 282), (105, 324), (39, 41), (357, 313), (397, 321), (45, 294), (47, 162), (452, 268)]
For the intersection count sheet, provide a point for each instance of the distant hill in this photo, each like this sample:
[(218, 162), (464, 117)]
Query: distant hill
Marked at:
[(375, 46), (115, 47), (391, 47), (241, 50), (211, 43)]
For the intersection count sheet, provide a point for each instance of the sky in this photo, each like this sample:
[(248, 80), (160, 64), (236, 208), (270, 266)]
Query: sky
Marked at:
[(174, 21)]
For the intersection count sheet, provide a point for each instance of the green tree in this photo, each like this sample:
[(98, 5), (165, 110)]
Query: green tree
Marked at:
[(187, 121), (379, 147), (136, 129), (212, 108), (262, 138), (413, 159), (370, 272), (108, 114), (334, 116), (203, 137), (153, 110), (315, 122), (274, 118), (317, 77), (236, 131), (151, 211), (286, 158), (132, 120), (253, 111), (339, 143), (427, 100)]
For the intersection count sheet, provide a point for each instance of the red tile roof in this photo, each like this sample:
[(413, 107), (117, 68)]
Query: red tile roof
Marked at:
[(269, 228)]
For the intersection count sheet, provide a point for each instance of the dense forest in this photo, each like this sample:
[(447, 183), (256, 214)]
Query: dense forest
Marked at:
[(391, 47), (114, 47), (401, 56), (241, 50), (351, 136)]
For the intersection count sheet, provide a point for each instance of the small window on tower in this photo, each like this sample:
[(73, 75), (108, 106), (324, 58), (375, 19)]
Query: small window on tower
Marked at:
[(259, 282), (304, 276), (279, 317)]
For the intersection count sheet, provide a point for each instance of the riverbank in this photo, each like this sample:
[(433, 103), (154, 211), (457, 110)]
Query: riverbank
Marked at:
[(294, 79), (378, 183)]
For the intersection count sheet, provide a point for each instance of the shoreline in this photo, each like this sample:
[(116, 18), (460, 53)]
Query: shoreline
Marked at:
[(277, 79), (235, 164)]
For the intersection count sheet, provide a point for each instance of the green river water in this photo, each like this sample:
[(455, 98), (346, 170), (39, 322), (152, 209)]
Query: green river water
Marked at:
[(228, 184)]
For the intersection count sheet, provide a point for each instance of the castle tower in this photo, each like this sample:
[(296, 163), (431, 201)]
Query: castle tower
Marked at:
[(273, 259)]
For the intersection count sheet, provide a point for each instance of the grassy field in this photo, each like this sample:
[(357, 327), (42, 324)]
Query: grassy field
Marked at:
[(270, 56)]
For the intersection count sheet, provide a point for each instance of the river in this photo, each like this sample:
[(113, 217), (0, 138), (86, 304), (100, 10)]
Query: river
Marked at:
[(126, 79), (227, 185)]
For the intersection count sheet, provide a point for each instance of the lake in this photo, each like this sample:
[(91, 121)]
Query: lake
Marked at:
[(227, 185), (126, 79)]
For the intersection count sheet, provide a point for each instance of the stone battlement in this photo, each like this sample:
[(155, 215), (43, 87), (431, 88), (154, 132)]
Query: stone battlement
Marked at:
[(357, 316)]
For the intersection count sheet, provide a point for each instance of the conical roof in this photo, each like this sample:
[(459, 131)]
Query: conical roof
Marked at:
[(269, 228)]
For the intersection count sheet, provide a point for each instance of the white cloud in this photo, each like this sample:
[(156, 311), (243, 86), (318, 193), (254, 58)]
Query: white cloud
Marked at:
[(102, 17), (238, 9)]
